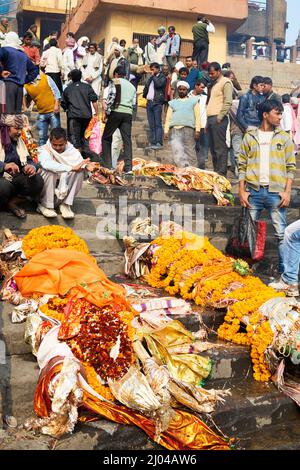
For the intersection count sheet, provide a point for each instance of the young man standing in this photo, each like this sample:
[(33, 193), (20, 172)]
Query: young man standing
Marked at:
[(182, 77), (247, 113), (119, 104), (154, 92), (183, 122), (266, 170), (269, 93), (31, 51), (172, 47), (194, 72), (77, 100), (219, 104)]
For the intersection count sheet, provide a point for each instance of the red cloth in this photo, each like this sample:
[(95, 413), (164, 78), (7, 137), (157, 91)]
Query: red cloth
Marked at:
[(33, 54)]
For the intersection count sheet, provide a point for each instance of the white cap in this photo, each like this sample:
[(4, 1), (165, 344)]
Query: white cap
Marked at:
[(183, 83)]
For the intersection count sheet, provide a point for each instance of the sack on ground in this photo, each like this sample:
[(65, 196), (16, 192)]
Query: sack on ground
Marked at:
[(247, 239)]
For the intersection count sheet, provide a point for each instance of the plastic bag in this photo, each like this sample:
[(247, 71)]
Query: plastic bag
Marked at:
[(142, 102), (95, 142), (247, 239)]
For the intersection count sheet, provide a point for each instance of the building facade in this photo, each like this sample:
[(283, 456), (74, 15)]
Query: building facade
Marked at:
[(266, 22), (48, 15), (101, 20)]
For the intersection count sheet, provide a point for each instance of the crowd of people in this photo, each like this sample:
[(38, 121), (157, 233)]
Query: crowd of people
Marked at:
[(198, 106)]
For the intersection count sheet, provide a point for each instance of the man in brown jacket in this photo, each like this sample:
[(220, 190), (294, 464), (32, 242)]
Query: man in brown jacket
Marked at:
[(219, 104)]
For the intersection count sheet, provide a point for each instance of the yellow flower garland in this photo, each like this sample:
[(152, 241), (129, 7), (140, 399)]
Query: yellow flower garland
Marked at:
[(207, 276), (49, 237)]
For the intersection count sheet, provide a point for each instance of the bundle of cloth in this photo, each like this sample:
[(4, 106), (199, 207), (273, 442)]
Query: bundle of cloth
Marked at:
[(187, 179)]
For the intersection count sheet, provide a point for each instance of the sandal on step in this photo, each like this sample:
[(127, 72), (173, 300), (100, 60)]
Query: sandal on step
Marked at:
[(18, 212)]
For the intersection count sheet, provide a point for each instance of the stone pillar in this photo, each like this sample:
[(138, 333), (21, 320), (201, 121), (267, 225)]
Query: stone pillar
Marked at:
[(293, 54), (249, 49), (273, 51)]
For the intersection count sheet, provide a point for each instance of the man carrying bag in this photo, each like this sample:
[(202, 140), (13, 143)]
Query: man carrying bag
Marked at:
[(266, 170)]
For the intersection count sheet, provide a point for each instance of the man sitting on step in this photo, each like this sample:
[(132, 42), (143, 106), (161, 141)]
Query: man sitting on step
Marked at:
[(63, 173), (18, 173)]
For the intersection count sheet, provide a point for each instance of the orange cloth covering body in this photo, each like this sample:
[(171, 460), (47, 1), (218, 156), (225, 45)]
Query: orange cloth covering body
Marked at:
[(185, 432), (60, 271)]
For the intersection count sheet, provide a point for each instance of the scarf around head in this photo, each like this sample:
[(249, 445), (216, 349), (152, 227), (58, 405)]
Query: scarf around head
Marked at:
[(12, 40), (7, 121)]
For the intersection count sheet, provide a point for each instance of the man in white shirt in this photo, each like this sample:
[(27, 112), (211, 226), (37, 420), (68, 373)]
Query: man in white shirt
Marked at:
[(161, 45), (150, 53), (289, 121), (201, 31), (60, 163)]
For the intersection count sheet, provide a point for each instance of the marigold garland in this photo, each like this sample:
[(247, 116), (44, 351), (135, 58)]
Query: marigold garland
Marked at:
[(54, 308), (211, 279), (94, 381), (52, 236)]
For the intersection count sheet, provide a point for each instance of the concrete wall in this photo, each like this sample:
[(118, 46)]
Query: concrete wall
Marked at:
[(282, 74), (53, 6)]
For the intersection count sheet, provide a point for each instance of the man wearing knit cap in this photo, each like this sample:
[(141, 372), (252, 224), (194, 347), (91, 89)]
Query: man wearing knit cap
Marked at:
[(183, 123), (161, 45), (18, 177)]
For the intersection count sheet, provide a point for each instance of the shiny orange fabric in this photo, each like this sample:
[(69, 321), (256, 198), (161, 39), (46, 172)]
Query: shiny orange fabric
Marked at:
[(60, 271), (185, 432)]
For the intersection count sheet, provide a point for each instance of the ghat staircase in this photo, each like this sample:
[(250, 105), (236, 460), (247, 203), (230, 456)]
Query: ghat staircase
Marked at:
[(257, 414)]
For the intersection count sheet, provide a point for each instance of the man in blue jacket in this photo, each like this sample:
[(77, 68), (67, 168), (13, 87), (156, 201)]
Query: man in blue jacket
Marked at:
[(172, 47), (247, 114), (19, 70), (154, 92)]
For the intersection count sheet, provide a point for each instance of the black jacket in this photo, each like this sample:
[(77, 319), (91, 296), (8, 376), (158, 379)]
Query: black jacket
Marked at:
[(77, 99), (160, 83)]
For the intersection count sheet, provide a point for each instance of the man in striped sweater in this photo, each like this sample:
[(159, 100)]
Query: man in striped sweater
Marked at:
[(266, 170)]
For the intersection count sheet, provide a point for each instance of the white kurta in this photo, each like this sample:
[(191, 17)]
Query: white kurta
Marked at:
[(68, 62), (92, 67)]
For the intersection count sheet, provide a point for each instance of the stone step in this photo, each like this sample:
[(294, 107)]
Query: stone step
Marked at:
[(283, 436), (106, 435), (252, 406), (106, 246), (154, 189), (18, 381)]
